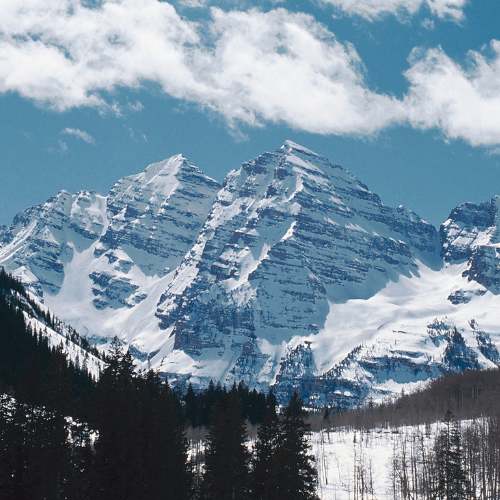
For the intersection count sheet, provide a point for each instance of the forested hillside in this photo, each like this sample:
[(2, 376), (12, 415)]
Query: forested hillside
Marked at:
[(467, 395), (64, 434), (442, 442)]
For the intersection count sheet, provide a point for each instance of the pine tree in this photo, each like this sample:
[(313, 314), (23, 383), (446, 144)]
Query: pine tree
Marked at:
[(450, 481), (175, 469), (264, 449), (191, 407), (226, 474), (292, 475), (115, 471), (164, 462)]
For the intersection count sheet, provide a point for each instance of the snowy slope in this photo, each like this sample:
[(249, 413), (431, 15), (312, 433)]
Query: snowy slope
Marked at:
[(43, 239), (405, 335), (57, 333), (101, 263), (289, 234), (292, 273)]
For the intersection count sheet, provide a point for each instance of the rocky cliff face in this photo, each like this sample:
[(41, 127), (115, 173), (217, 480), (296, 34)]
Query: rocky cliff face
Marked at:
[(291, 274), (472, 234), (289, 233), (92, 257), (42, 239), (154, 219)]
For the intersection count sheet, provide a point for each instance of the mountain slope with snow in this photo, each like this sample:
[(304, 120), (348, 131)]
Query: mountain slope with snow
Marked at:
[(292, 273), (288, 234)]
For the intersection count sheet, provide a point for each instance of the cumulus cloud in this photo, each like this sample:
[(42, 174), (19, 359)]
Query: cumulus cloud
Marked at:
[(65, 53), (279, 66), (276, 66), (251, 67), (462, 102), (80, 134), (375, 9)]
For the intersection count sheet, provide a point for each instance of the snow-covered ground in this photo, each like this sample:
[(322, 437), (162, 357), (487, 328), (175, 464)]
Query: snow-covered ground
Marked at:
[(345, 458)]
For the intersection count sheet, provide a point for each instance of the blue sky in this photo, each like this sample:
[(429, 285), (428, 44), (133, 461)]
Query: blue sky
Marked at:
[(405, 94)]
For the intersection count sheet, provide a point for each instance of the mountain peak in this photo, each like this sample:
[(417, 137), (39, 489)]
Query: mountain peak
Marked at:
[(292, 273), (166, 168), (290, 146)]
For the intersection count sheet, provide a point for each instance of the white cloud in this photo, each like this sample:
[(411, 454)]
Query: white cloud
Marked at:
[(259, 66), (256, 67), (279, 66), (65, 53), (193, 4), (63, 147), (80, 134), (375, 9), (427, 23), (463, 103)]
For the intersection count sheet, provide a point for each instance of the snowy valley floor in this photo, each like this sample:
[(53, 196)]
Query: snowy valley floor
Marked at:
[(360, 465)]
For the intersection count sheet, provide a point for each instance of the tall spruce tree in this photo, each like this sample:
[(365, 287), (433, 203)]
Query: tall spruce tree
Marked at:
[(165, 469), (226, 474), (292, 474), (264, 449), (191, 407), (117, 455), (451, 481)]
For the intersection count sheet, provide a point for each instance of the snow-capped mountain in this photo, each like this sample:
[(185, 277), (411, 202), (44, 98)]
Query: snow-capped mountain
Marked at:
[(42, 323), (288, 234), (292, 273)]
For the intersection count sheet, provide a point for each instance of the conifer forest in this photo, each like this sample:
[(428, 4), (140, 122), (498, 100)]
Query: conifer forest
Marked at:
[(129, 435)]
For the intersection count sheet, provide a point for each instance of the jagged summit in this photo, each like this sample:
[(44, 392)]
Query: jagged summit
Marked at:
[(291, 273), (290, 146), (289, 233)]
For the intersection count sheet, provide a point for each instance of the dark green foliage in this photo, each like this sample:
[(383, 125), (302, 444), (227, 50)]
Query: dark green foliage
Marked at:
[(265, 447), (198, 407), (191, 407), (27, 362), (139, 449), (36, 458), (226, 475), (164, 465), (13, 450), (116, 418), (450, 478), (292, 475)]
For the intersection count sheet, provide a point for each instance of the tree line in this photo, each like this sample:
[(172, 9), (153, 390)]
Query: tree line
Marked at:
[(446, 439), (65, 435), (470, 394), (460, 462), (136, 445)]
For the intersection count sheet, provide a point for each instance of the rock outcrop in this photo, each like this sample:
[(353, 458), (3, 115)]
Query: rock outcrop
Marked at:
[(291, 274)]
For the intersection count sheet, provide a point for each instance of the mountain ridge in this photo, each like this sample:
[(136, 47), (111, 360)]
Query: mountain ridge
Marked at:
[(258, 279)]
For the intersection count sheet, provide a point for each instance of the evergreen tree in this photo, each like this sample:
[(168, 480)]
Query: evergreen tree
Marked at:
[(265, 447), (12, 449), (48, 455), (174, 468), (292, 475), (451, 482), (191, 407), (115, 472), (226, 475), (164, 465)]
